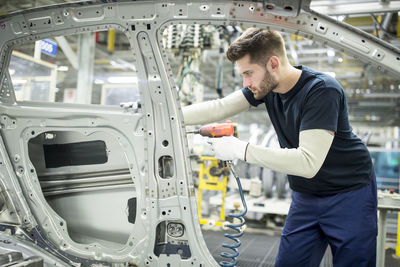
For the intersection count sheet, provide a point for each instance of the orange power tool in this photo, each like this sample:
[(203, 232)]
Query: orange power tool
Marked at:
[(216, 130)]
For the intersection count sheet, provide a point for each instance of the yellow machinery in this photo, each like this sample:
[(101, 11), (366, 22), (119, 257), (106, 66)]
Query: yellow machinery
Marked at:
[(214, 177)]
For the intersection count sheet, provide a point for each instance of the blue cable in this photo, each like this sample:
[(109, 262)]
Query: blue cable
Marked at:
[(236, 227)]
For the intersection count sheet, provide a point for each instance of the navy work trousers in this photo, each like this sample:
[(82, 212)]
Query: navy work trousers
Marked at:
[(346, 221)]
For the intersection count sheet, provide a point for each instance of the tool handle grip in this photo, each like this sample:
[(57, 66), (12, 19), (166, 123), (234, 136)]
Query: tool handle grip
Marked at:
[(217, 130)]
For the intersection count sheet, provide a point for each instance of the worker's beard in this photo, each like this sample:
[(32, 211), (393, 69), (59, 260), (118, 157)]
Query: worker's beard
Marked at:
[(267, 85)]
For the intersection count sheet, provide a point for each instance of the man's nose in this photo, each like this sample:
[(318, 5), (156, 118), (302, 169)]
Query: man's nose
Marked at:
[(246, 82)]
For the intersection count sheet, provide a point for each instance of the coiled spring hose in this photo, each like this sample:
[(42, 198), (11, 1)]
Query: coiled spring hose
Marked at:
[(235, 237)]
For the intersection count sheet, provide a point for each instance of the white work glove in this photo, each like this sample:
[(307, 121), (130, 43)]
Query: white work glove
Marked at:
[(228, 148)]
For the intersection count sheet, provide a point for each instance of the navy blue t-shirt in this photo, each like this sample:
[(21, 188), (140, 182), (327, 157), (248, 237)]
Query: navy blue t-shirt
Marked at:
[(317, 101)]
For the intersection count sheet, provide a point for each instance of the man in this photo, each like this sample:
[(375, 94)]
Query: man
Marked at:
[(329, 169)]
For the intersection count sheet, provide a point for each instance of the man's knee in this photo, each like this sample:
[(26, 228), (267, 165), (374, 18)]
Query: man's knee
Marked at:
[(292, 254), (356, 256), (285, 261)]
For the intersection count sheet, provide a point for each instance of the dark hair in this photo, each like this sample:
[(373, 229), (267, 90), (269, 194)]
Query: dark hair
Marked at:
[(259, 44)]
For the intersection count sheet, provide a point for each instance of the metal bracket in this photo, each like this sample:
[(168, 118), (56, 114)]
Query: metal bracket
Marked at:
[(7, 95)]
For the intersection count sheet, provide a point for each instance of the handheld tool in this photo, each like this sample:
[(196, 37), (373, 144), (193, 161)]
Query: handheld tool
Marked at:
[(216, 130)]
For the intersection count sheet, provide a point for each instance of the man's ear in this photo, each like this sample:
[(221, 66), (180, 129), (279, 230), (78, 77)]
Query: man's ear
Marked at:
[(273, 63)]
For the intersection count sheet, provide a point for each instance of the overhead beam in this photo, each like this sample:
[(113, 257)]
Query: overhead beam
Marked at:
[(357, 8)]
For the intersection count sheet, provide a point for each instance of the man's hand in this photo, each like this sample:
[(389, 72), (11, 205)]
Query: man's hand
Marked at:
[(228, 148)]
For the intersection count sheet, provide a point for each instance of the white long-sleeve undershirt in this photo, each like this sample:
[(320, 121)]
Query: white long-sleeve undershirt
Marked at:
[(304, 161), (215, 110)]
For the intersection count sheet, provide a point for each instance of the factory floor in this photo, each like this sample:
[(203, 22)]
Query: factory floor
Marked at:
[(260, 246)]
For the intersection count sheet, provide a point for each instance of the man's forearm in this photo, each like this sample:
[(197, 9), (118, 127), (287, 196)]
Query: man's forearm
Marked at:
[(215, 110), (304, 161)]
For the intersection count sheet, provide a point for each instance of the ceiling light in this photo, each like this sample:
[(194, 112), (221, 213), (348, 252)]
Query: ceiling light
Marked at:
[(63, 68), (330, 52), (19, 81), (98, 81), (122, 79), (12, 71), (340, 60), (374, 118)]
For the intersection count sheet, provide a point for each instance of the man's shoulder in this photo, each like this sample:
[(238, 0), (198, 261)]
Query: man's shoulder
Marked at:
[(320, 83), (322, 79)]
